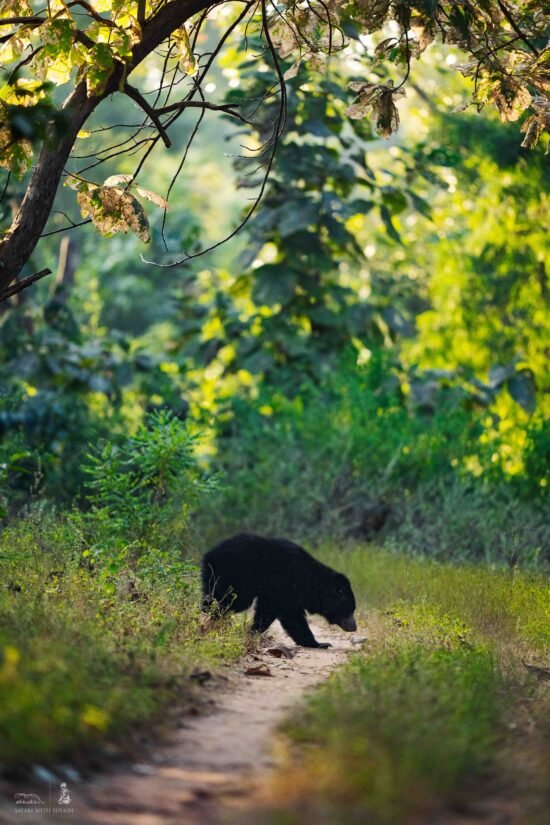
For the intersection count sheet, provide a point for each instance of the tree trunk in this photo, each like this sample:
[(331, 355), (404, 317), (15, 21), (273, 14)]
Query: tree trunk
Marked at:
[(66, 266), (19, 243)]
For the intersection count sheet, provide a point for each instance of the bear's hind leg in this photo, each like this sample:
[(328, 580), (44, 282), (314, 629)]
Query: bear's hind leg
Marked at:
[(298, 629), (264, 616)]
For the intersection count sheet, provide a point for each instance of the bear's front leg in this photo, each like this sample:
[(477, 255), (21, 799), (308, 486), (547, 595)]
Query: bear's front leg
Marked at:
[(264, 616), (299, 631)]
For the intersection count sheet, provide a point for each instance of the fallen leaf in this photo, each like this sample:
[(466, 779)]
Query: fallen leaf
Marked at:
[(258, 670), (280, 652), (201, 676)]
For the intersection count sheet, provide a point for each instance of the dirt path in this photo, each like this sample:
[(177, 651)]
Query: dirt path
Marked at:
[(211, 764)]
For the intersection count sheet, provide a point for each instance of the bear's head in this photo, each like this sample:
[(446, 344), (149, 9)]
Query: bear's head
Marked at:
[(340, 605)]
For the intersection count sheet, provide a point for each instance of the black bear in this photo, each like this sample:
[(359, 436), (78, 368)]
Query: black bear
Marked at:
[(284, 579)]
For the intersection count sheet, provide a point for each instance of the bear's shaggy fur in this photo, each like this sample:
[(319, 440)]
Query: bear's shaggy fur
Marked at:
[(285, 580)]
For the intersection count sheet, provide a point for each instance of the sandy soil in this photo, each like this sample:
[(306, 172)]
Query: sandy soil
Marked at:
[(212, 763)]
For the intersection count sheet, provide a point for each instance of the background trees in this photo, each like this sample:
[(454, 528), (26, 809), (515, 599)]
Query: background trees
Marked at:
[(90, 53)]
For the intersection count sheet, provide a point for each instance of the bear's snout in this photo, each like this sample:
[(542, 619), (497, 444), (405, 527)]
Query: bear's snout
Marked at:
[(348, 623)]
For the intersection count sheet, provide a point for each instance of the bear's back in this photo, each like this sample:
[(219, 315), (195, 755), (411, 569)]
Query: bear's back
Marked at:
[(261, 562)]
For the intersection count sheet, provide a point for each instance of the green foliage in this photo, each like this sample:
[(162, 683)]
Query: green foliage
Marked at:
[(80, 664), (357, 456), (400, 727), (141, 482), (65, 383), (398, 730), (99, 611), (298, 301)]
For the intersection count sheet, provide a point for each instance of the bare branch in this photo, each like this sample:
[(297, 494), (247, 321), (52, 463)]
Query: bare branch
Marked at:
[(19, 286), (277, 131), (15, 21), (506, 12), (136, 96), (141, 12), (202, 104)]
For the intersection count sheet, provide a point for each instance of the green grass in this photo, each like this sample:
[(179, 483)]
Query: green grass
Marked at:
[(428, 702), (86, 658), (503, 606)]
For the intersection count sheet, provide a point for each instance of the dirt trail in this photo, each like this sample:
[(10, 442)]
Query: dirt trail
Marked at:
[(212, 763)]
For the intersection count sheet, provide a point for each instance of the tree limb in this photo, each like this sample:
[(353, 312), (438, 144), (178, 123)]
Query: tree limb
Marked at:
[(141, 12), (14, 21), (153, 114), (506, 12), (201, 104), (19, 286)]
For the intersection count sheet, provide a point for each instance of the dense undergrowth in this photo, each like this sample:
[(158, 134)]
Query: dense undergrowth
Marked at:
[(79, 668), (358, 459), (100, 628), (432, 700)]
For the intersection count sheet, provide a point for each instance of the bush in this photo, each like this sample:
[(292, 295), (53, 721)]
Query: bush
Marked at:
[(142, 489), (356, 456)]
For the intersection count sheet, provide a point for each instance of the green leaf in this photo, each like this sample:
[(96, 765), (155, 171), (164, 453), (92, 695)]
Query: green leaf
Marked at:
[(274, 284), (521, 387), (388, 223)]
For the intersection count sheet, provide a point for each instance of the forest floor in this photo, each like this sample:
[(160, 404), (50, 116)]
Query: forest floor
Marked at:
[(209, 768)]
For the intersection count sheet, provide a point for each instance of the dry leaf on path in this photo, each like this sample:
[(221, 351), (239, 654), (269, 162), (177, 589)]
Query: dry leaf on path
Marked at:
[(258, 670), (280, 652)]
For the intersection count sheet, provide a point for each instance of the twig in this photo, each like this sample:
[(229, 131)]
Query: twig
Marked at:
[(19, 286), (15, 21), (201, 104), (149, 111), (66, 228), (506, 12)]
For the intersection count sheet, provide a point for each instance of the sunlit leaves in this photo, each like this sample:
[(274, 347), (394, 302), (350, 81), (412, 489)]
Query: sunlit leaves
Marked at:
[(158, 200), (100, 66), (24, 92), (532, 128), (119, 37), (111, 208), (510, 98), (52, 61), (15, 8), (187, 62), (372, 13), (378, 98), (26, 113), (14, 155)]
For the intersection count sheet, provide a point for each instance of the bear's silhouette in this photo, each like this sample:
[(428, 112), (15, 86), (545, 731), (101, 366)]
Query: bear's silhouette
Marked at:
[(285, 580)]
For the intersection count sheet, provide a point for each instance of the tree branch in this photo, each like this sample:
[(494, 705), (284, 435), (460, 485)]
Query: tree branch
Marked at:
[(141, 12), (153, 114), (506, 12), (19, 286), (15, 21), (201, 104)]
